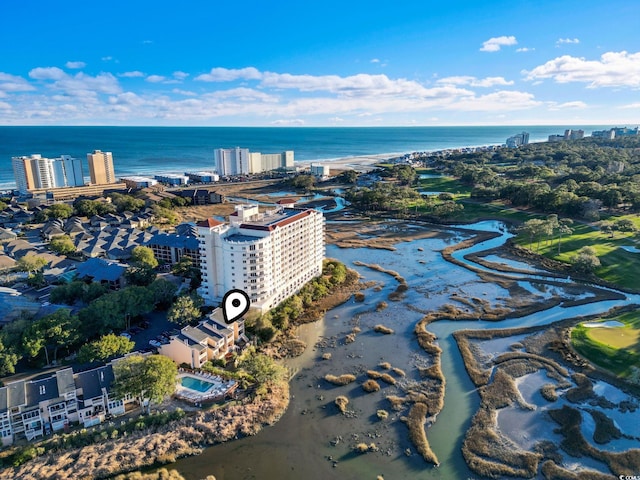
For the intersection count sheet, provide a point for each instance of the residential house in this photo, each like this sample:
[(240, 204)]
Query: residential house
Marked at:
[(102, 271), (170, 248), (34, 407), (211, 339)]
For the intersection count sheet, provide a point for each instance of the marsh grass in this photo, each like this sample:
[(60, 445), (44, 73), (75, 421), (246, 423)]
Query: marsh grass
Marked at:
[(605, 430), (415, 423), (582, 391), (350, 338), (382, 414), (385, 365), (382, 329), (397, 403), (381, 306), (326, 356), (341, 402), (548, 392), (340, 380), (399, 372), (371, 386), (359, 297)]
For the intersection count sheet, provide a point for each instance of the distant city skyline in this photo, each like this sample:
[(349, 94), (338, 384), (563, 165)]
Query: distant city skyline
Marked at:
[(329, 64)]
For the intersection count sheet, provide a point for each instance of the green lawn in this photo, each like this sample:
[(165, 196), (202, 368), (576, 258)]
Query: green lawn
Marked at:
[(443, 184), (616, 349), (617, 265)]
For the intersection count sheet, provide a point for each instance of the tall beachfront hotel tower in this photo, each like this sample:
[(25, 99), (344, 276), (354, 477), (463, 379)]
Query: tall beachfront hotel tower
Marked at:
[(101, 167), (232, 161), (269, 255), (36, 172)]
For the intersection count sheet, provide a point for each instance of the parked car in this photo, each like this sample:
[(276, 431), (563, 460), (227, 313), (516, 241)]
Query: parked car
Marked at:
[(155, 343), (126, 335)]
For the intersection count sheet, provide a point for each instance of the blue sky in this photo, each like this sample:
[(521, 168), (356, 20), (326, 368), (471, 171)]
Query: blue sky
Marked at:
[(345, 63)]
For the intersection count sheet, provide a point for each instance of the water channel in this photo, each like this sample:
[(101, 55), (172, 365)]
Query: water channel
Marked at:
[(312, 440)]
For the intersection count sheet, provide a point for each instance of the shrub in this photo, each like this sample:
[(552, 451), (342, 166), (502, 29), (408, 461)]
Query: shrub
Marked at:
[(381, 306), (344, 379), (370, 386), (358, 297), (382, 414), (326, 356), (342, 402), (382, 329)]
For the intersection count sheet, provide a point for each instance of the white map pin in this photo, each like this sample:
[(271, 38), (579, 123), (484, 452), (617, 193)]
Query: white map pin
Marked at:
[(234, 305)]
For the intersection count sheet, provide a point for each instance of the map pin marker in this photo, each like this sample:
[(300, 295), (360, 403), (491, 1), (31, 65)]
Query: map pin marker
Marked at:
[(234, 305)]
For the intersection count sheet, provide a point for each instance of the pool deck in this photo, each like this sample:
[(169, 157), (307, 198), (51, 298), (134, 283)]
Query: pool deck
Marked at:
[(221, 387)]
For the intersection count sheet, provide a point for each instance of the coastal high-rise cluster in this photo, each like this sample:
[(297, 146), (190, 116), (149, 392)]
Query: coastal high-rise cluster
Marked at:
[(268, 255), (518, 140), (240, 161), (35, 172)]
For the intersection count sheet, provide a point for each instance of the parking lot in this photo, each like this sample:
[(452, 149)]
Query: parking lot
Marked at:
[(158, 324)]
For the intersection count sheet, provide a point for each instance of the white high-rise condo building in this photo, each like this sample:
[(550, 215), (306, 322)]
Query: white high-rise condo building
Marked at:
[(269, 255), (35, 172), (101, 167), (240, 161), (232, 161)]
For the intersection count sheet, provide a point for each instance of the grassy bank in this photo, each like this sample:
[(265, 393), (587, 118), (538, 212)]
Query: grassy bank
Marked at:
[(616, 349)]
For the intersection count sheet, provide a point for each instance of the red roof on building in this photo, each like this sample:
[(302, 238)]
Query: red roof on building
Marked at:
[(209, 223)]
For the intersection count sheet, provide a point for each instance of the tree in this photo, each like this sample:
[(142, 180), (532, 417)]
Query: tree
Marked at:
[(59, 210), (125, 202), (143, 256), (62, 244), (262, 368), (31, 263), (89, 208), (8, 358), (152, 377), (107, 346), (185, 310), (348, 176), (59, 329), (586, 260), (163, 292)]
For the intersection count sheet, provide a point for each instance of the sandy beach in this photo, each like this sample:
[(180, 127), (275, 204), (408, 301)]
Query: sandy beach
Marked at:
[(358, 163)]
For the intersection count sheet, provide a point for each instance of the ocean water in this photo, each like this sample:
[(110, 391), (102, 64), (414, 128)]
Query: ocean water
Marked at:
[(150, 150)]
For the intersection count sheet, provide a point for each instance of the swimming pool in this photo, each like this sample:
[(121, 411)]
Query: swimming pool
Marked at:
[(196, 384)]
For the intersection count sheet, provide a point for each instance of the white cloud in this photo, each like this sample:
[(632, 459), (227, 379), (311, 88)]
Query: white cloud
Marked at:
[(504, 100), (133, 74), (13, 83), (75, 65), (244, 94), (186, 93), (107, 59), (560, 41), (336, 120), (220, 74), (81, 85), (5, 106), (631, 106), (180, 75), (614, 69), (524, 49), (375, 60), (293, 121), (155, 78), (567, 105), (47, 73), (475, 82), (494, 44)]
